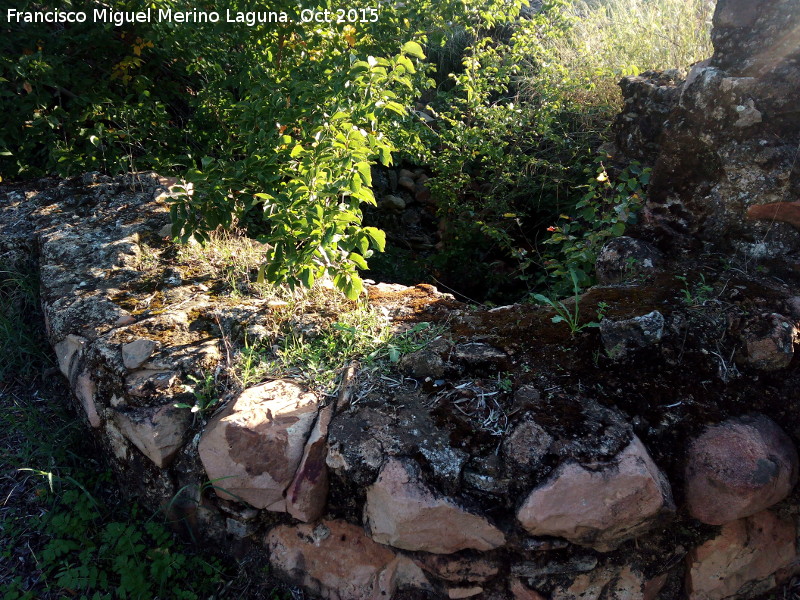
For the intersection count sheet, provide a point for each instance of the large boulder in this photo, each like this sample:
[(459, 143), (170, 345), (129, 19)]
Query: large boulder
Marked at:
[(738, 468), (252, 449), (648, 100), (729, 146), (599, 507)]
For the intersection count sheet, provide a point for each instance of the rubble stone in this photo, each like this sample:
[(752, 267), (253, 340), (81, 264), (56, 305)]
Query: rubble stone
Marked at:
[(159, 432), (251, 450), (405, 513), (746, 554), (738, 468), (620, 337), (135, 353), (769, 342), (599, 507), (337, 561)]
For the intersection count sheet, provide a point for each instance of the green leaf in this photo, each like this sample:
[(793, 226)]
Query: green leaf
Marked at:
[(385, 156), (396, 107), (358, 260), (394, 354), (377, 236), (406, 64), (413, 49), (365, 171), (307, 277)]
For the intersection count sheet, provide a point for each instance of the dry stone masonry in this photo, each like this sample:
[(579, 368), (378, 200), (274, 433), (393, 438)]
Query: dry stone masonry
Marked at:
[(508, 459)]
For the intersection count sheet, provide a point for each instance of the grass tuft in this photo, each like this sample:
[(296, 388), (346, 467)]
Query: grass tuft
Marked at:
[(610, 39), (22, 346)]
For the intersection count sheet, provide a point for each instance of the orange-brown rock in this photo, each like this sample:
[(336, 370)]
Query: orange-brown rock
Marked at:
[(85, 390), (768, 340), (779, 212), (337, 561), (738, 468), (458, 593), (599, 508), (68, 351), (746, 553), (252, 449), (405, 513)]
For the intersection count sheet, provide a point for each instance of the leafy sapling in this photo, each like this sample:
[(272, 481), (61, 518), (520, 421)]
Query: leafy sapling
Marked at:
[(564, 314)]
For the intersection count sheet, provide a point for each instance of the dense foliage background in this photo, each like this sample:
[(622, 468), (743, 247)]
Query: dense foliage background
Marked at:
[(275, 127)]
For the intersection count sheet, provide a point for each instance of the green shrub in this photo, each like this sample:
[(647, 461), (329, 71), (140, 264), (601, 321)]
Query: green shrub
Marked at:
[(608, 206), (89, 556), (66, 531), (276, 126)]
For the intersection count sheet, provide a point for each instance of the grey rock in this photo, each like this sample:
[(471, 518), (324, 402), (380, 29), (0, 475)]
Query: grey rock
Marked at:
[(620, 337), (624, 258), (135, 353), (149, 382), (392, 203), (423, 363), (527, 445)]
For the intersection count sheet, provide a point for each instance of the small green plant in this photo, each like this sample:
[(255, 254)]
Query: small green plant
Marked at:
[(100, 559), (602, 309), (696, 295), (204, 390), (505, 382), (406, 342), (563, 313), (61, 537)]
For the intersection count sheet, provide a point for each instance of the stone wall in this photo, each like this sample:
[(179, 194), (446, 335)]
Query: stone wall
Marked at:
[(507, 459)]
